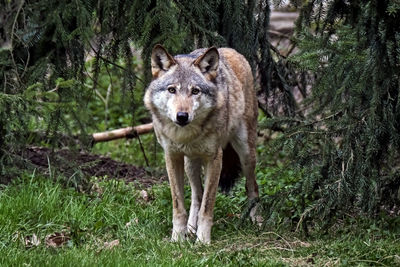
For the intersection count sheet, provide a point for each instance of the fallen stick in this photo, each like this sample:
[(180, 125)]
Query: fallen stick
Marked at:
[(128, 132)]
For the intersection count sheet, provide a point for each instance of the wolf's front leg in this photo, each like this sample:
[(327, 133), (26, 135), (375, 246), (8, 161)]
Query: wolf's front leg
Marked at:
[(206, 213), (175, 171), (193, 171)]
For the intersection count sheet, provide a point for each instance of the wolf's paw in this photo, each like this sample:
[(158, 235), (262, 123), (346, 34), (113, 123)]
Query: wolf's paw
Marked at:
[(179, 236), (204, 233), (255, 215), (203, 240), (253, 210)]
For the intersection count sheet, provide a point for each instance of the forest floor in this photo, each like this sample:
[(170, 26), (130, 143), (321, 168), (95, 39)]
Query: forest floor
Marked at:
[(68, 162), (127, 221)]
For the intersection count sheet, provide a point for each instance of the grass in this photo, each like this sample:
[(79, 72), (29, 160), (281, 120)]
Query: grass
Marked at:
[(112, 210)]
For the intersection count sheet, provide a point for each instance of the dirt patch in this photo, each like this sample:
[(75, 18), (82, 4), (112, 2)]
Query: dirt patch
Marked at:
[(71, 162)]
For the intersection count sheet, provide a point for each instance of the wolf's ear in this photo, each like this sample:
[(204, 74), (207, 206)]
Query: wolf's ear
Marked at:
[(208, 63), (161, 61)]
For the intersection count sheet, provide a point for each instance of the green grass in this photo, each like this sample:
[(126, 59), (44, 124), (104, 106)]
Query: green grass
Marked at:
[(36, 205), (129, 151)]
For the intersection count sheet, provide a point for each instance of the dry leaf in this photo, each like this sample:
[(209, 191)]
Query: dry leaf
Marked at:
[(31, 240), (144, 195), (135, 221), (96, 188), (111, 244), (57, 240)]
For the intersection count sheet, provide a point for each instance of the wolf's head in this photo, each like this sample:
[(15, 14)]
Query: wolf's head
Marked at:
[(183, 87)]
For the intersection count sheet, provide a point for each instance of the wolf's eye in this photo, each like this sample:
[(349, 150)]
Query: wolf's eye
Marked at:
[(172, 90), (195, 91)]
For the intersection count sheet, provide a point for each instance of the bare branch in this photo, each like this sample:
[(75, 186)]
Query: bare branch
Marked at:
[(128, 132)]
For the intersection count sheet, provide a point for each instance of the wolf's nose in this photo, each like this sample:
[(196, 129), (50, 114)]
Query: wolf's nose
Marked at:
[(182, 118)]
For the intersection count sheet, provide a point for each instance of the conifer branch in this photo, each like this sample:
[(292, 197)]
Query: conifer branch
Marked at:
[(112, 63)]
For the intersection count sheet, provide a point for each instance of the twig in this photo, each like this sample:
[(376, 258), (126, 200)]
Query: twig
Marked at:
[(143, 152), (12, 38), (273, 48), (112, 63), (26, 64), (282, 35), (99, 95), (106, 103), (292, 47)]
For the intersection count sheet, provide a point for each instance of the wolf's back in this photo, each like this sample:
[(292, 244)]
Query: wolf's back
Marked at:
[(240, 68)]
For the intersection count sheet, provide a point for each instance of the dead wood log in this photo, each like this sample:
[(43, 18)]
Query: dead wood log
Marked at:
[(128, 132)]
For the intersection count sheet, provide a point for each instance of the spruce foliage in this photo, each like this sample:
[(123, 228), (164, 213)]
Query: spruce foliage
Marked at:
[(345, 137)]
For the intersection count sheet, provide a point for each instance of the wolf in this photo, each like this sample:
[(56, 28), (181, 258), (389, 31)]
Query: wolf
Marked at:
[(204, 113)]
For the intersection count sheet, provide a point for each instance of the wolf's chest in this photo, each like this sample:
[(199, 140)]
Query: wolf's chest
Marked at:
[(193, 144), (195, 149)]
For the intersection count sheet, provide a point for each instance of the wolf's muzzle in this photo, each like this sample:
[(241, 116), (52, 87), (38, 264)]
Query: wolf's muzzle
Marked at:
[(182, 118)]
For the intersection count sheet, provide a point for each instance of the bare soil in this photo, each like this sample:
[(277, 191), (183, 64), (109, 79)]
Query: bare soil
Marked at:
[(69, 162)]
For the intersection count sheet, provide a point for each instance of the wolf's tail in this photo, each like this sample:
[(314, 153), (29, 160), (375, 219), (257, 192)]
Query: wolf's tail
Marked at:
[(231, 169)]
